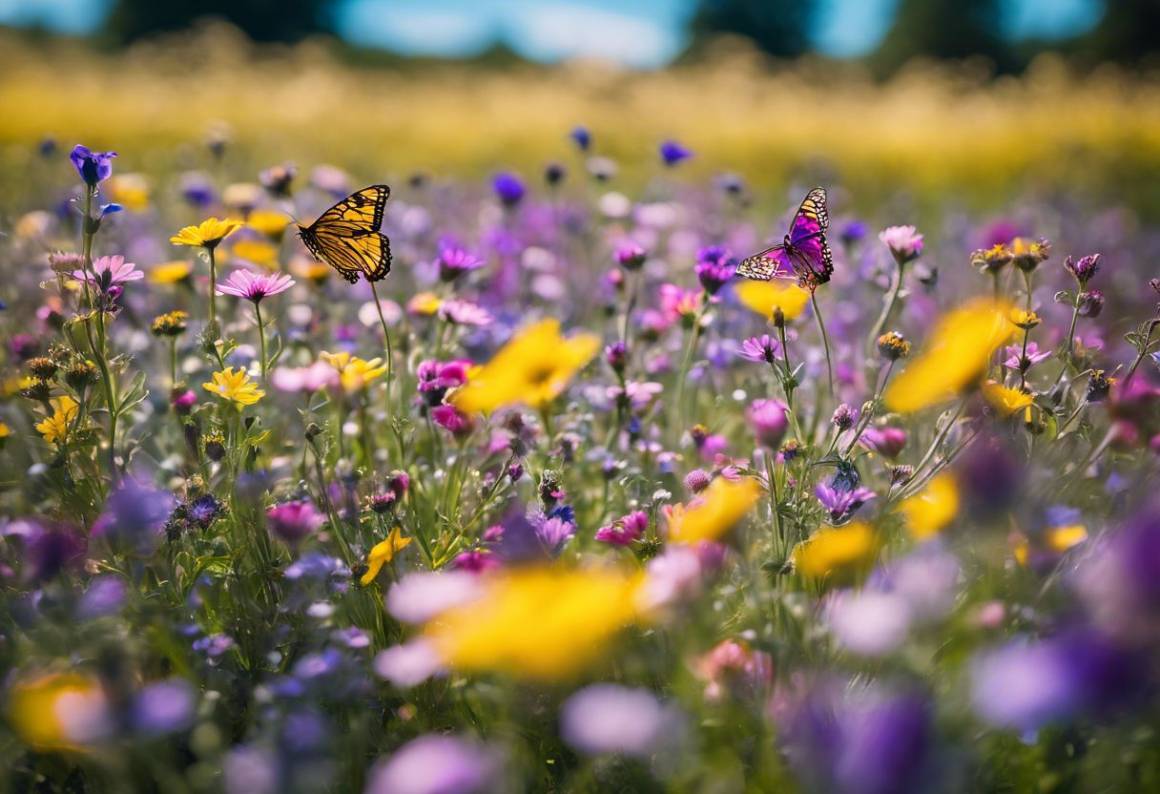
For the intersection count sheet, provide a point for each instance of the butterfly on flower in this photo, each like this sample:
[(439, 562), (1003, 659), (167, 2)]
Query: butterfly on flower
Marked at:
[(347, 235), (803, 252)]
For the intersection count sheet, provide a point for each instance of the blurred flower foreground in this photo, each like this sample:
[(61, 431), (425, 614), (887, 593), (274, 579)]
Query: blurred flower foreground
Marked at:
[(562, 503)]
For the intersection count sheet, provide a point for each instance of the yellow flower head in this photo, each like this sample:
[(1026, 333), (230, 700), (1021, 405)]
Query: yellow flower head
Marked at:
[(1023, 318), (1027, 254), (170, 272), (932, 508), (353, 372), (55, 427), (45, 711), (235, 387), (383, 553), (1056, 540), (537, 622), (1004, 399), (206, 234), (260, 252), (955, 358), (310, 270), (425, 304), (532, 368), (5, 430), (765, 297), (836, 550), (718, 508), (268, 222), (131, 191)]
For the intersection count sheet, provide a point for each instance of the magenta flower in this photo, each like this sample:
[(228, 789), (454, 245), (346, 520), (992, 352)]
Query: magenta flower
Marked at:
[(109, 271), (461, 312), (769, 420), (455, 262), (452, 420), (630, 256), (436, 377), (254, 286), (292, 522), (904, 242), (625, 530), (760, 349), (886, 441), (1018, 362)]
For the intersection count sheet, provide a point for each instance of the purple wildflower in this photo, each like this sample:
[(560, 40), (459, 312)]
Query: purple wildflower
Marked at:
[(581, 137), (437, 377), (455, 262), (254, 286), (93, 167), (673, 152), (1020, 362), (841, 503), (1084, 268), (436, 764), (886, 441), (109, 271), (509, 188), (760, 349), (461, 312)]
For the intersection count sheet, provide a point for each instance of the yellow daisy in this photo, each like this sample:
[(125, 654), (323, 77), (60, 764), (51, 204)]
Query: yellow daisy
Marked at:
[(268, 222), (1004, 399), (206, 234), (532, 369), (55, 427), (836, 550), (955, 358), (170, 272), (354, 373), (714, 512), (235, 387), (932, 508)]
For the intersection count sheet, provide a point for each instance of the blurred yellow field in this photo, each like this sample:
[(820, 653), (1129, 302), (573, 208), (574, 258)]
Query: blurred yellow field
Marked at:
[(932, 129)]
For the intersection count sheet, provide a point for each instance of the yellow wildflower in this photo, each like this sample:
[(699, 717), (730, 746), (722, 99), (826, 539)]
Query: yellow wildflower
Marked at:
[(956, 357), (268, 222), (60, 711), (131, 191), (1004, 399), (5, 431), (235, 387), (836, 550), (532, 368), (764, 297), (383, 553), (539, 622), (932, 508), (1056, 539), (170, 272), (16, 384), (260, 252), (424, 303), (1023, 318), (714, 512), (310, 270), (354, 373), (55, 427), (206, 234)]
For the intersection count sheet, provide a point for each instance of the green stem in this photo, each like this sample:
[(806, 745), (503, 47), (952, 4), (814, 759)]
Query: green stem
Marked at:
[(387, 337), (261, 336), (212, 291), (825, 342), (887, 309)]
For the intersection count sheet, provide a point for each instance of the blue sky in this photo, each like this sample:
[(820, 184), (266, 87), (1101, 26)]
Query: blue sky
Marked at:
[(642, 33)]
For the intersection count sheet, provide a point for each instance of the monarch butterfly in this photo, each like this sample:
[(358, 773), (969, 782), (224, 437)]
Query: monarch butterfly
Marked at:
[(347, 235), (804, 252)]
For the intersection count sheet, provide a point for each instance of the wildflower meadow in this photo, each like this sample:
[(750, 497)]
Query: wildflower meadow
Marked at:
[(537, 479)]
